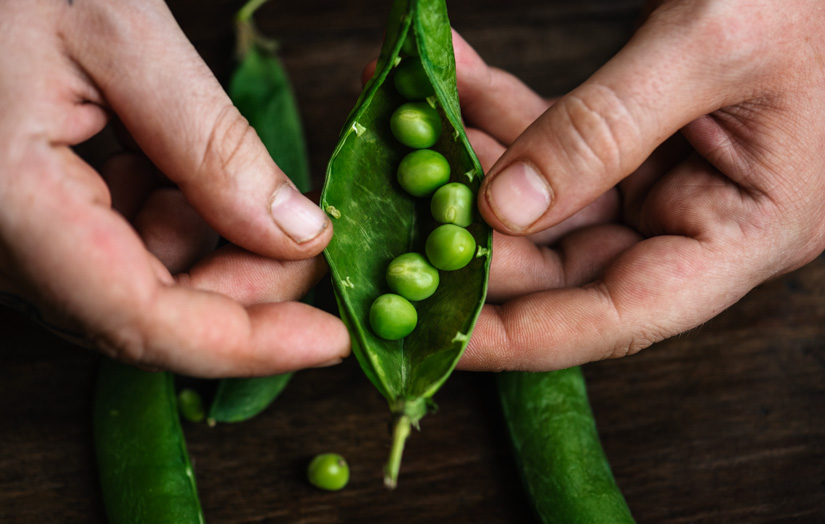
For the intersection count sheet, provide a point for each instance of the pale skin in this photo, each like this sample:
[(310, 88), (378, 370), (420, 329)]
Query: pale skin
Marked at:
[(123, 260), (682, 174)]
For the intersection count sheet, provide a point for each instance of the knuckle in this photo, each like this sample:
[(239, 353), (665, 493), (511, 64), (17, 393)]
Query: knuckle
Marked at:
[(603, 129), (124, 345), (230, 147)]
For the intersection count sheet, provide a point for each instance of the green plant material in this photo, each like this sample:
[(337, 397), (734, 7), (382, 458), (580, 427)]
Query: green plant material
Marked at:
[(375, 221), (416, 125), (392, 317), (190, 405), (144, 469), (450, 247), (328, 471), (239, 399), (412, 276), (557, 448), (453, 203), (411, 80), (261, 91), (423, 171)]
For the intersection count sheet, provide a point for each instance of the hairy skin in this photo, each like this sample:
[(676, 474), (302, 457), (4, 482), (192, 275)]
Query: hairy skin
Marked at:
[(124, 260), (682, 174)]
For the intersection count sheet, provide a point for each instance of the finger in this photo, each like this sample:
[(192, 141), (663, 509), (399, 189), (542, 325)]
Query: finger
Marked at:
[(368, 71), (252, 279), (639, 300), (520, 267), (182, 119), (603, 130), (491, 99), (131, 179), (96, 274), (172, 231)]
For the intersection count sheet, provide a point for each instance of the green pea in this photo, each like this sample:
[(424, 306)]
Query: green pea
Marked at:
[(190, 405), (409, 47), (392, 317), (453, 203), (411, 80), (412, 277), (416, 125), (328, 471), (450, 247), (423, 171)]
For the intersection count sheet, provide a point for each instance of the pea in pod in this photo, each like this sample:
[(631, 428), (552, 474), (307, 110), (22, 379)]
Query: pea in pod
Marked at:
[(144, 468), (375, 221), (557, 448), (261, 91)]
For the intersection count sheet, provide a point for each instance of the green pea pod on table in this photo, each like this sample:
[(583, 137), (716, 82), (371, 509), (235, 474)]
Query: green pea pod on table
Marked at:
[(375, 221), (557, 448), (144, 468), (261, 91)]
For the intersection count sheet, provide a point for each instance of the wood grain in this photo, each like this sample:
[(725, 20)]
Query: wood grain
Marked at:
[(722, 424)]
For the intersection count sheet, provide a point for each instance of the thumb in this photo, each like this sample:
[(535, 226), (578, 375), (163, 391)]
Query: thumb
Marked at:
[(602, 131), (176, 110)]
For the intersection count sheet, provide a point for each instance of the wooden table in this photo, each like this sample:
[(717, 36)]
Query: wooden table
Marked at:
[(722, 424)]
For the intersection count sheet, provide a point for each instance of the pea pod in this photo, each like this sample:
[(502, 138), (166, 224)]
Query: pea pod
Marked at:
[(261, 91), (375, 221), (557, 448), (144, 468)]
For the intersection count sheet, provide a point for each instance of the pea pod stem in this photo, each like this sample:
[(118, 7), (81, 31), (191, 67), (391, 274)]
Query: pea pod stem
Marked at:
[(245, 13), (400, 432)]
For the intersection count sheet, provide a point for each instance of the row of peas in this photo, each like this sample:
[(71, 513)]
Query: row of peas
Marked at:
[(422, 173)]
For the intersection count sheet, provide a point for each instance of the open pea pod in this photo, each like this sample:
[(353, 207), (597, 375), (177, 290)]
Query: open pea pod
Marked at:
[(376, 221)]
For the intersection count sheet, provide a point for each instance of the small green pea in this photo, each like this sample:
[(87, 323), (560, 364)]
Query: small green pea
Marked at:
[(453, 203), (392, 317), (411, 80), (409, 46), (412, 277), (423, 171), (450, 247), (328, 471), (416, 125), (190, 405)]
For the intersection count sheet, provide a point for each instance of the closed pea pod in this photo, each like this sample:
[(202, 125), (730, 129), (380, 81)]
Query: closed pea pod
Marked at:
[(375, 221), (557, 448), (144, 468), (260, 89)]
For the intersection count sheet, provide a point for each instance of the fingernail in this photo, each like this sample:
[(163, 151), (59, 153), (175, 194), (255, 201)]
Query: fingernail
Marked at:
[(296, 215), (519, 196)]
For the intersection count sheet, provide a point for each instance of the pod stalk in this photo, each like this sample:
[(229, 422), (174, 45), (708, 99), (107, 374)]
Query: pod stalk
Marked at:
[(400, 432)]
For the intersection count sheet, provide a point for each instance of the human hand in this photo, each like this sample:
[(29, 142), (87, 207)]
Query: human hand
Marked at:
[(81, 268), (682, 174)]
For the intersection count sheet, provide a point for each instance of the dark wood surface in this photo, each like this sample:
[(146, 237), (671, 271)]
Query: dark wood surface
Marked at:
[(722, 424)]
